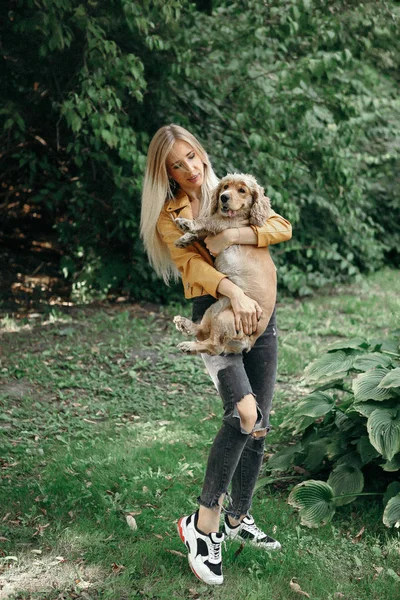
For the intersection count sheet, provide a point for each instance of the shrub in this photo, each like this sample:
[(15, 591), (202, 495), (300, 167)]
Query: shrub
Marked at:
[(347, 427), (304, 96)]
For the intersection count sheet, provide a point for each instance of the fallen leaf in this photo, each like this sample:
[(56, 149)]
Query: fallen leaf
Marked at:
[(36, 551), (211, 415), (4, 539), (357, 537), (11, 558), (158, 536), (176, 552), (117, 568), (193, 594), (300, 470), (41, 528), (239, 550), (82, 585), (296, 588), (131, 522)]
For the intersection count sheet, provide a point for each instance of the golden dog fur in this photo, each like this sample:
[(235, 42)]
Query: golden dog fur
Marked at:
[(238, 201)]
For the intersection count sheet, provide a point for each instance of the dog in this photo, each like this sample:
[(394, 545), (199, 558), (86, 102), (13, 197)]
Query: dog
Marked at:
[(238, 201)]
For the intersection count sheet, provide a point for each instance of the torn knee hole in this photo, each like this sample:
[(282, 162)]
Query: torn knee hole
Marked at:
[(247, 409)]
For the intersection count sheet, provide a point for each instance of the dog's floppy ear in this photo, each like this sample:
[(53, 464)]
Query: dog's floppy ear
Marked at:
[(214, 198), (261, 207)]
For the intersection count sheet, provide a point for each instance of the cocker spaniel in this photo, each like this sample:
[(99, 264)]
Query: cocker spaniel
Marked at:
[(238, 201)]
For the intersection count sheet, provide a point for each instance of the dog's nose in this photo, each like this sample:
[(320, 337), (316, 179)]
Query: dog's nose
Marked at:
[(224, 198)]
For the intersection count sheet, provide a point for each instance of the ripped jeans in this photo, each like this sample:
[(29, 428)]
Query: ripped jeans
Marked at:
[(236, 456)]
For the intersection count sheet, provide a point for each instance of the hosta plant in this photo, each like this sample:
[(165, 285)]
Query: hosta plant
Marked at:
[(347, 428)]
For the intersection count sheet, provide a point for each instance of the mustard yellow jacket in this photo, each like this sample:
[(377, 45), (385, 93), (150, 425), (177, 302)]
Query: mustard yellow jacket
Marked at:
[(195, 264)]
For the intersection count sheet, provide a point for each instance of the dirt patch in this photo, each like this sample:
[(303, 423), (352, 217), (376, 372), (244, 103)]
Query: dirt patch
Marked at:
[(17, 390), (48, 573)]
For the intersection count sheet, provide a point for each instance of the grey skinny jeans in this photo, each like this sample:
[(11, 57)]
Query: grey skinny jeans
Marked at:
[(236, 456)]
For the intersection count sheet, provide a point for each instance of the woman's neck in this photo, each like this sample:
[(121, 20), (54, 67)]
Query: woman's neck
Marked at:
[(193, 195)]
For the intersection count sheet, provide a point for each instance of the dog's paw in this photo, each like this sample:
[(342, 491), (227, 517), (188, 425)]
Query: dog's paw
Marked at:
[(188, 347), (185, 240), (184, 224), (183, 325)]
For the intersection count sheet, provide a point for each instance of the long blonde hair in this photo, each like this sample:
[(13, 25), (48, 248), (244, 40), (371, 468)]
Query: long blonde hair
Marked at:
[(157, 190)]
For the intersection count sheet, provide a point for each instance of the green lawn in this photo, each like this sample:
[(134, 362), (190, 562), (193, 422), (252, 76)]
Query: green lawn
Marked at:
[(101, 417)]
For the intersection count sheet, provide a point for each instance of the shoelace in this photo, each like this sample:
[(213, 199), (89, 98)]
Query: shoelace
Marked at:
[(215, 551), (256, 531)]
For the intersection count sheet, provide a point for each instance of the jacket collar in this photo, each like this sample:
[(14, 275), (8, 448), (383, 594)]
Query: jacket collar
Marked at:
[(180, 201)]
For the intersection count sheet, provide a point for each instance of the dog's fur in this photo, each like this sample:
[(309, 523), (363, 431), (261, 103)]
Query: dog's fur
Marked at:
[(238, 201)]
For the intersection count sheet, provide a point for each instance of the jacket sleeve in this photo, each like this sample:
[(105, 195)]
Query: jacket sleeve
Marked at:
[(275, 229), (192, 266)]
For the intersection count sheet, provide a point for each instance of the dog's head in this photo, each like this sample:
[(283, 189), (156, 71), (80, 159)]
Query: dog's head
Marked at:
[(239, 195)]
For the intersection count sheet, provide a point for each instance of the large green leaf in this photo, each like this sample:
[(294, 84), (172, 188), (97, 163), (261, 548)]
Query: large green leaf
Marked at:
[(365, 386), (316, 452), (371, 360), (337, 447), (391, 380), (391, 515), (351, 459), (392, 465), (345, 480), (314, 499), (302, 424), (329, 365), (392, 490), (364, 408), (315, 405), (353, 344), (284, 459), (343, 422), (391, 346), (366, 450), (384, 431)]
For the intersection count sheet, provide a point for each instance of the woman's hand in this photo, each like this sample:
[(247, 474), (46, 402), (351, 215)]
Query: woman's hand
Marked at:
[(216, 244), (247, 312)]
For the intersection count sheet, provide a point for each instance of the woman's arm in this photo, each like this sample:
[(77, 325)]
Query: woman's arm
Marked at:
[(193, 267), (276, 229)]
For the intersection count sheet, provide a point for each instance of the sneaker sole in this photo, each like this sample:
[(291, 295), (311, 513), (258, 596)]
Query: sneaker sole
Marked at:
[(181, 532)]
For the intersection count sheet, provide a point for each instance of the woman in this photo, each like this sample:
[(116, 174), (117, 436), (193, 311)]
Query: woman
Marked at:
[(178, 182)]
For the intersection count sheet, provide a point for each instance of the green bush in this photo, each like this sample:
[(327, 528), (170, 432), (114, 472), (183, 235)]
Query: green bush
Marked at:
[(301, 93), (348, 426)]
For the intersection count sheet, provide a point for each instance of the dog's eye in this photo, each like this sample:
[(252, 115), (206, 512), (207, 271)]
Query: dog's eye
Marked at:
[(226, 186), (242, 191)]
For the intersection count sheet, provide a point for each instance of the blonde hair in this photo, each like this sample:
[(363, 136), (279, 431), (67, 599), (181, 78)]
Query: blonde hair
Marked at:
[(157, 190)]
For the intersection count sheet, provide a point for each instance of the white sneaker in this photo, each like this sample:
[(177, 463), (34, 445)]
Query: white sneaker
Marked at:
[(204, 550), (248, 532)]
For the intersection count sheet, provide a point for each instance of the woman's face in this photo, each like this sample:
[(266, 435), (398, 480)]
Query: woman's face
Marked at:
[(185, 166)]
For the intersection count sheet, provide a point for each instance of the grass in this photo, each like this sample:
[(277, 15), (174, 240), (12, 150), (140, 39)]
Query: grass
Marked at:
[(101, 417)]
